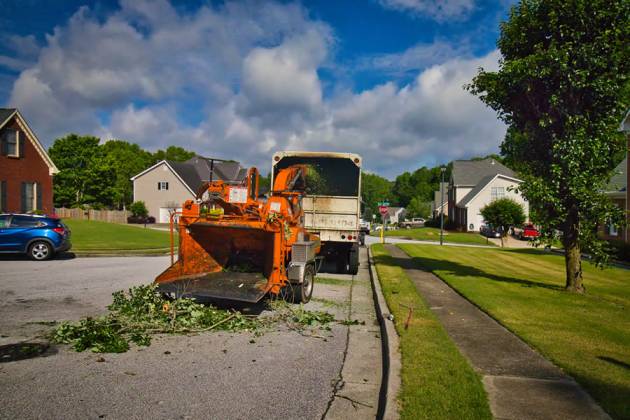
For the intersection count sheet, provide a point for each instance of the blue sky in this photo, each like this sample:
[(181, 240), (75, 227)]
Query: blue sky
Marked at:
[(239, 80)]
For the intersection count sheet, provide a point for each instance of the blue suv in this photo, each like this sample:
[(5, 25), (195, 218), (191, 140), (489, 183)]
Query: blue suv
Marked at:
[(40, 237)]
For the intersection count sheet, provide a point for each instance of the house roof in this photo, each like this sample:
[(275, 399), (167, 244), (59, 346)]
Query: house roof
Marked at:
[(196, 171), (5, 116), (625, 123), (393, 211), (471, 172), (482, 185), (619, 181)]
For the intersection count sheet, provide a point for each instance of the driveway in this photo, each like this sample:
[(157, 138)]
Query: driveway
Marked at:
[(280, 374)]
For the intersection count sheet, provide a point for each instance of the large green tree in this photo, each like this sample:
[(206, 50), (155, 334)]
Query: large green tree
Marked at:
[(562, 89), (85, 175), (126, 159), (175, 153)]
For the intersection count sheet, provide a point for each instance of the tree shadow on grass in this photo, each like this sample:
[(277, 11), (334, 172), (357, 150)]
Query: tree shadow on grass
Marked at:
[(457, 269)]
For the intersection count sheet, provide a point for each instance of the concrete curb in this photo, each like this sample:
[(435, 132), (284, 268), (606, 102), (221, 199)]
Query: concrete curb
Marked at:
[(391, 383), (127, 254)]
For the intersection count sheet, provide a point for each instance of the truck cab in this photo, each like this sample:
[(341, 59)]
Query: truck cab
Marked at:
[(332, 203)]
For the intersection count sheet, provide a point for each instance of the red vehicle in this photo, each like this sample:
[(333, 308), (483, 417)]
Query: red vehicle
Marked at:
[(528, 232)]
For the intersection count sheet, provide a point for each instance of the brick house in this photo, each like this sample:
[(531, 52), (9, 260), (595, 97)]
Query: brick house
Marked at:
[(26, 170)]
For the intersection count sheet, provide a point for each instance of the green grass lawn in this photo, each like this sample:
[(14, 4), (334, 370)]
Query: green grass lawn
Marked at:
[(433, 234), (588, 335), (437, 381), (101, 236)]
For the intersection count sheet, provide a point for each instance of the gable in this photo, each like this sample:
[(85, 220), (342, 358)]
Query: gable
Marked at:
[(163, 165), (484, 185), (13, 118)]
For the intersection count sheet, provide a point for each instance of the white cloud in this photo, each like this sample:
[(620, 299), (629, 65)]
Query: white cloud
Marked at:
[(241, 80), (440, 10)]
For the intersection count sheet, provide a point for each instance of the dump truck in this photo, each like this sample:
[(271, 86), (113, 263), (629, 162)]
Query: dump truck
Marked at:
[(332, 204), (234, 246)]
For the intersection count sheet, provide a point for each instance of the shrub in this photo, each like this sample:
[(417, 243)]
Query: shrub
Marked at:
[(139, 209)]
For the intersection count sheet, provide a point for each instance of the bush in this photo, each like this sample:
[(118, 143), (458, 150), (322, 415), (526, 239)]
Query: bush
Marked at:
[(139, 209), (140, 220)]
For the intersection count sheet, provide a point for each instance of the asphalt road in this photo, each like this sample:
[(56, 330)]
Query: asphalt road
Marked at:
[(281, 374)]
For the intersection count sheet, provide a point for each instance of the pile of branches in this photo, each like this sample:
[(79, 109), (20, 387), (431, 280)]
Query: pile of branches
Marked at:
[(135, 315)]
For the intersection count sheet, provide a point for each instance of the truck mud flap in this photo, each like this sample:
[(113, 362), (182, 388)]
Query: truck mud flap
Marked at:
[(243, 287)]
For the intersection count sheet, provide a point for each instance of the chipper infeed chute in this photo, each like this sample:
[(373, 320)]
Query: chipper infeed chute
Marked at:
[(234, 247)]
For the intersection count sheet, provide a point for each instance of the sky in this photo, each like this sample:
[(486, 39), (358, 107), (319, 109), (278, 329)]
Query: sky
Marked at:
[(242, 79)]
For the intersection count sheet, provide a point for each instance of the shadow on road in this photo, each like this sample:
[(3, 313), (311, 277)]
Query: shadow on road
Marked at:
[(24, 257)]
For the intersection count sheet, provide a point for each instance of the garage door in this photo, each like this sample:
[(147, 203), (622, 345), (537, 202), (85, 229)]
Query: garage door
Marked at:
[(164, 214)]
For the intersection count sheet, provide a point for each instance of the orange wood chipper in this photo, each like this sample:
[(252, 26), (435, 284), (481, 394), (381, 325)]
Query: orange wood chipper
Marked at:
[(234, 246)]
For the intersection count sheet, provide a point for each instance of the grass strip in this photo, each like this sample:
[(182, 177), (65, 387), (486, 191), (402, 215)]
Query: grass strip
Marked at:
[(437, 381), (588, 336), (433, 234), (332, 282)]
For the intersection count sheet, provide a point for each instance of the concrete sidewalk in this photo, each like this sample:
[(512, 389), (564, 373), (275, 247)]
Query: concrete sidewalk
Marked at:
[(520, 383)]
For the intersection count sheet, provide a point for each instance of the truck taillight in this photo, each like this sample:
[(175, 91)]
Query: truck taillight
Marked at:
[(349, 237), (59, 230)]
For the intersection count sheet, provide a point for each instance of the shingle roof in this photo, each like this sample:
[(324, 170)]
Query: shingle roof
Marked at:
[(473, 193), (188, 173), (619, 181), (229, 171), (471, 172), (5, 113)]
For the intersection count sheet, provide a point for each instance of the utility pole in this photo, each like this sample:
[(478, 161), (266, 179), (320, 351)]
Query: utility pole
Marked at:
[(442, 170)]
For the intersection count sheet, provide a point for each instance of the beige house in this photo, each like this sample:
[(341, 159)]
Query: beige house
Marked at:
[(475, 183), (166, 185)]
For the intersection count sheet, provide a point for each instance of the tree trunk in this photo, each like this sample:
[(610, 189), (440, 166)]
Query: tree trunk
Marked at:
[(573, 259)]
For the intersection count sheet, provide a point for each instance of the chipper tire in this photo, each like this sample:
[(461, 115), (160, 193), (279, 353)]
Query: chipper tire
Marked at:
[(304, 291)]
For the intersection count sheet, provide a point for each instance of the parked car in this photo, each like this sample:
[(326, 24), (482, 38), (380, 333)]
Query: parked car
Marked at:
[(528, 231), (364, 226), (490, 231), (416, 222), (40, 237)]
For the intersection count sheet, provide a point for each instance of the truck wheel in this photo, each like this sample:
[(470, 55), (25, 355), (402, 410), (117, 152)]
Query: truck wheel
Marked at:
[(305, 290), (40, 251), (353, 257)]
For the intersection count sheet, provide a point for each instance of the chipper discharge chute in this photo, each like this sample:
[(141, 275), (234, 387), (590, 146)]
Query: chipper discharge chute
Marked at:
[(234, 246)]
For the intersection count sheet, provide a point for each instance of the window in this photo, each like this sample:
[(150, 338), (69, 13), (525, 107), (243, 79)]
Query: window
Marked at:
[(31, 196), (496, 193), (25, 221), (162, 185), (612, 230), (4, 221), (10, 142)]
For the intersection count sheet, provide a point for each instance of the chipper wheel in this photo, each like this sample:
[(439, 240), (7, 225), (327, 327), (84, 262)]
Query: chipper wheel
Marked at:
[(301, 292)]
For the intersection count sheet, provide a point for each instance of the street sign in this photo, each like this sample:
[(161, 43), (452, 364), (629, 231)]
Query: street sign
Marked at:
[(383, 210), (383, 203)]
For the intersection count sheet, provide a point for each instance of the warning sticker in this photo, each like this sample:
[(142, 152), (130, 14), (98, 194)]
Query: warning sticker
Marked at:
[(238, 195)]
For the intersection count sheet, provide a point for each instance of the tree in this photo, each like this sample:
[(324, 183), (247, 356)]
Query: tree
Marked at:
[(419, 208), (139, 209), (126, 159), (175, 153), (85, 176), (374, 188), (503, 213), (562, 88)]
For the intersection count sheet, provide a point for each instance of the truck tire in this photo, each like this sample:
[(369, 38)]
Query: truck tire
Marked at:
[(304, 291), (342, 263), (353, 259)]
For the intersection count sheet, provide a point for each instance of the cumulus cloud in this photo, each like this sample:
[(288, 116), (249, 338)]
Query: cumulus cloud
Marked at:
[(241, 80), (440, 10)]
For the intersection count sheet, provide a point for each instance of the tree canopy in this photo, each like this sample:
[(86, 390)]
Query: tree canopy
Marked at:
[(562, 89)]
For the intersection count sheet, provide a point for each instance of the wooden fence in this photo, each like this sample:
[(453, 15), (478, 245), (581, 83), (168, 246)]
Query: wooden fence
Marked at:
[(111, 216)]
